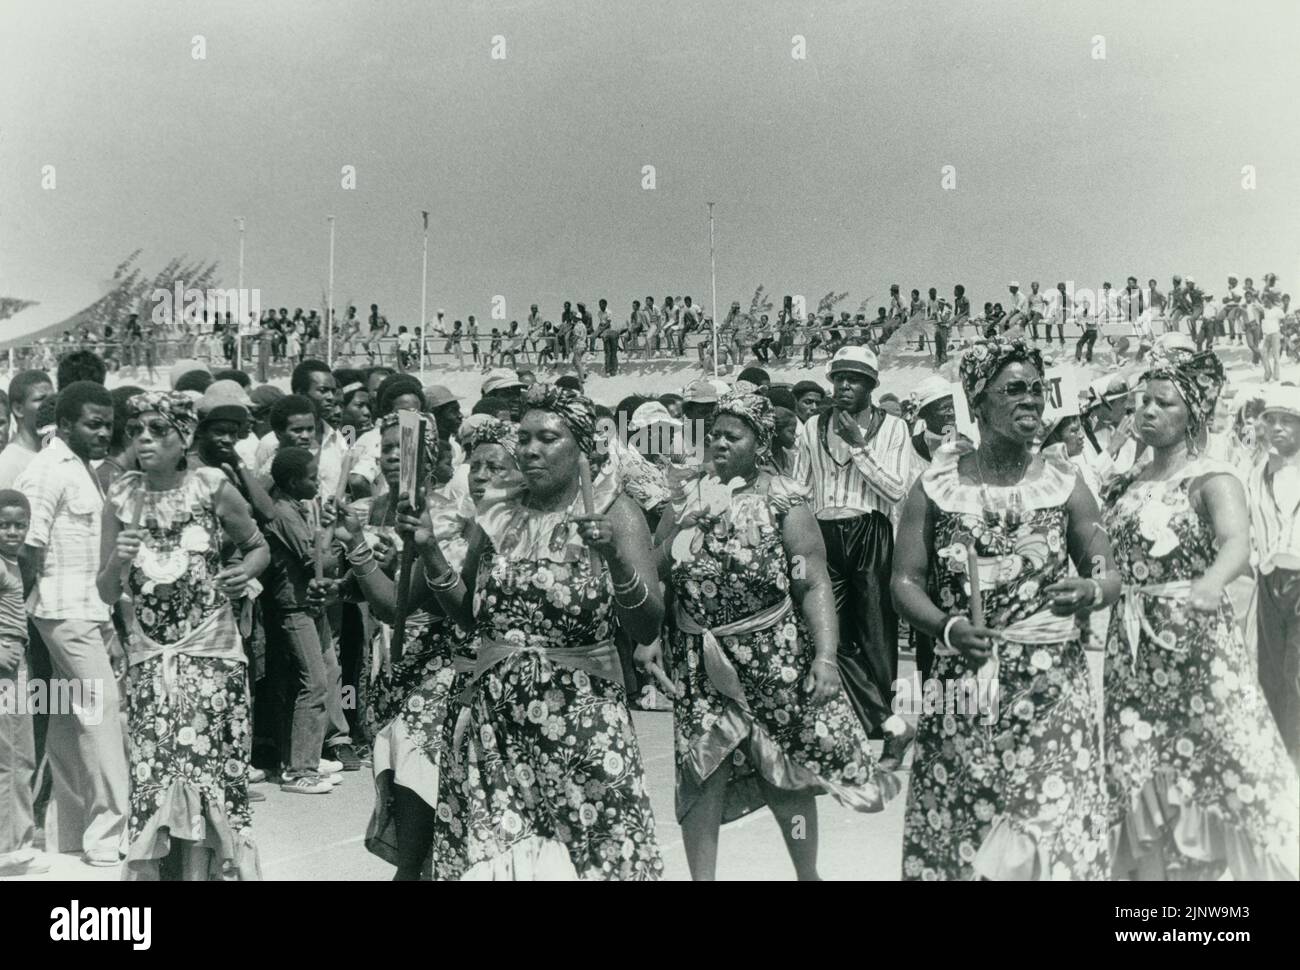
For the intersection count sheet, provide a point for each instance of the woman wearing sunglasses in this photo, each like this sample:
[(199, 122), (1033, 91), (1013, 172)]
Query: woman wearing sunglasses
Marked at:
[(1199, 779), (189, 729), (1007, 779)]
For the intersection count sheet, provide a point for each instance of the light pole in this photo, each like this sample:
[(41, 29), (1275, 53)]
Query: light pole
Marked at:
[(424, 292), (329, 300), (713, 277), (240, 302)]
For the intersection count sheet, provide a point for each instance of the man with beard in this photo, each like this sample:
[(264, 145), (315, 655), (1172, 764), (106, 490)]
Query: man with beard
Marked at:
[(85, 746), (857, 460)]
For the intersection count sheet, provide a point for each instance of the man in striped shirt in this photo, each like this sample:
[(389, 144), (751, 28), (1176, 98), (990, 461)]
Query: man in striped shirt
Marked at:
[(857, 461), (1273, 492)]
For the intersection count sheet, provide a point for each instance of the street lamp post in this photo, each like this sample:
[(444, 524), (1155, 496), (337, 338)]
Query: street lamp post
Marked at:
[(713, 277), (329, 300)]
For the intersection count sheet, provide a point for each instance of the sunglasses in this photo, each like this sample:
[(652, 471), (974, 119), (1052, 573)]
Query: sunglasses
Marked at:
[(157, 429), (1021, 389)]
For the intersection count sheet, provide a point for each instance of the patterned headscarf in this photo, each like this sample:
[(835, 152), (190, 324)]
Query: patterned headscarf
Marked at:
[(484, 429), (175, 407), (757, 412), (431, 447), (1198, 377), (981, 363), (576, 410)]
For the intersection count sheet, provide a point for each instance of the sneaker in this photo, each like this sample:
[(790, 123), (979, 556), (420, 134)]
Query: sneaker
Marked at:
[(24, 862), (256, 776), (328, 767), (347, 756), (307, 783), (256, 796)]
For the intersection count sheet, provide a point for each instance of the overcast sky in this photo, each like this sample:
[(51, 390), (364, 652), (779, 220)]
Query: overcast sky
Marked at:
[(826, 171)]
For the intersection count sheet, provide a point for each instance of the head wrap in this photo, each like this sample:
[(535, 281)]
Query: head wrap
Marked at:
[(390, 420), (483, 429), (981, 363), (175, 407), (574, 409), (757, 412), (1198, 378)]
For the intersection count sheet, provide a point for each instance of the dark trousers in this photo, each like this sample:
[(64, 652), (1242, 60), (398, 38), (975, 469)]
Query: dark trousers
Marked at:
[(1279, 651), (940, 345), (1085, 344), (611, 354), (307, 681), (859, 554)]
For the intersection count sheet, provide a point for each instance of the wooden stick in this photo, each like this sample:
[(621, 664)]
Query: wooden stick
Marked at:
[(976, 600), (319, 540), (408, 558), (588, 505), (341, 491)]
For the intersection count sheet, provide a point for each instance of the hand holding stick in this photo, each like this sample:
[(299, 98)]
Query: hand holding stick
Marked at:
[(588, 504), (408, 558)]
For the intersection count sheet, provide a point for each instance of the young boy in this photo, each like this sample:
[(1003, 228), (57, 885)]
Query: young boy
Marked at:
[(309, 671), (18, 857)]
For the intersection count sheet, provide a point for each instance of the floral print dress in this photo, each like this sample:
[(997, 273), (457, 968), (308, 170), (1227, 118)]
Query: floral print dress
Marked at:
[(727, 570), (541, 773), (189, 727), (1006, 783), (1198, 776), (407, 704)]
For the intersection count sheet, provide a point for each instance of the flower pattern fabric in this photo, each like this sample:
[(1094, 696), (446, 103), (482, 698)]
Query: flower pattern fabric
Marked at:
[(739, 568), (546, 754), (1010, 789), (189, 748), (1198, 776)]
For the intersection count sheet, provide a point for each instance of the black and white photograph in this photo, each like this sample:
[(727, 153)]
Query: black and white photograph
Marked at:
[(600, 440)]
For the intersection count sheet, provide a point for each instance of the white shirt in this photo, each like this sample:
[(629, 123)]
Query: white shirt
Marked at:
[(1274, 502), (850, 482), (329, 459)]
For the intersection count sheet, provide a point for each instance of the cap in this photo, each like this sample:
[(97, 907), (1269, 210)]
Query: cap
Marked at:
[(500, 379), (264, 395), (184, 366), (807, 387), (930, 390), (1015, 283), (1283, 399), (224, 394), (436, 395), (700, 392), (856, 359), (652, 412)]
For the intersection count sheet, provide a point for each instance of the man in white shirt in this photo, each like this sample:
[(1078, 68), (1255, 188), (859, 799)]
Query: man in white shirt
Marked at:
[(313, 380), (85, 746), (1273, 493), (857, 460), (1038, 311), (27, 392)]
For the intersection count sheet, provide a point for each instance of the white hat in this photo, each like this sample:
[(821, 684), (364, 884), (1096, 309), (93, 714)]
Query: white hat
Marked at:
[(933, 388), (1282, 398), (859, 359), (1014, 283), (1188, 279), (499, 380), (652, 412)]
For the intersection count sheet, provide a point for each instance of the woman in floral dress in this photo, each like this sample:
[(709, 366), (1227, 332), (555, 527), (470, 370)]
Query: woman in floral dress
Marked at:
[(543, 779), (1198, 776), (759, 713), (1007, 778), (188, 705), (404, 711)]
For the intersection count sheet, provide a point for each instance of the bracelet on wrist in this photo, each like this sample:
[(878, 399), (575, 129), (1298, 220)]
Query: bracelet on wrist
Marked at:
[(622, 589), (947, 630), (444, 583), (645, 595), (828, 663), (1098, 594), (374, 568)]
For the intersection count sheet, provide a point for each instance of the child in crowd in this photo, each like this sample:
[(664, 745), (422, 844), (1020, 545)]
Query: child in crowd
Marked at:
[(18, 856)]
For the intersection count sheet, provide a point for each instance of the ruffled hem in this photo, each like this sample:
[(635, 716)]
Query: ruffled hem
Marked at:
[(234, 854), (735, 728), (1009, 854), (534, 859), (1049, 490), (1199, 833)]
